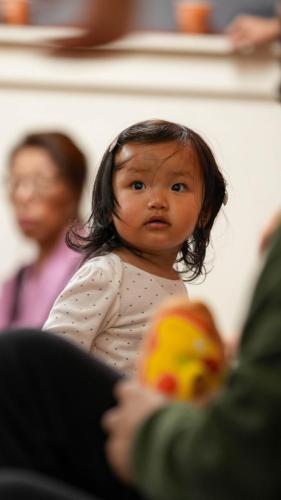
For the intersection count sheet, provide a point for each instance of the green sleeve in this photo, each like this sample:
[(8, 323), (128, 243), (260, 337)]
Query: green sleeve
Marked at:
[(232, 449)]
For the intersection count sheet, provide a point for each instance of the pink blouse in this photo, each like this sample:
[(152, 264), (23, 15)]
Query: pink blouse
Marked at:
[(39, 288)]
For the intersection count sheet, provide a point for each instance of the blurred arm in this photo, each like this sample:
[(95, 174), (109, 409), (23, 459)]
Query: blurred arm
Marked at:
[(253, 31), (103, 21)]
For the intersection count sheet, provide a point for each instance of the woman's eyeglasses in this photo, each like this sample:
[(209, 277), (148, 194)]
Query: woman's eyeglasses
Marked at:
[(39, 185)]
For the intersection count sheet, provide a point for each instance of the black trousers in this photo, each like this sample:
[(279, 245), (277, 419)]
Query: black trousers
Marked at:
[(52, 397), (23, 485)]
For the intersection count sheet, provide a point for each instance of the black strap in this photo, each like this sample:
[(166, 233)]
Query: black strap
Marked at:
[(16, 296)]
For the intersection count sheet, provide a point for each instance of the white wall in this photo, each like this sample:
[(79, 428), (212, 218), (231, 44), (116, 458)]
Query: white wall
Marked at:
[(245, 135)]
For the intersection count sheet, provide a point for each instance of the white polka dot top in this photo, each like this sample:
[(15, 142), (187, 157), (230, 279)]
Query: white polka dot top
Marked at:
[(106, 307)]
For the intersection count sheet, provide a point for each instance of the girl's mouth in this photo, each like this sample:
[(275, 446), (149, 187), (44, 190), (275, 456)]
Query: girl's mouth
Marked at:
[(157, 222)]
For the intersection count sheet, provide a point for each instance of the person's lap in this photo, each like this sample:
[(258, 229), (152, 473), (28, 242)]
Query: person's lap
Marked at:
[(24, 485), (52, 398)]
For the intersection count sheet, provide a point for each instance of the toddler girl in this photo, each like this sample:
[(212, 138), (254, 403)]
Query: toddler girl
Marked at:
[(155, 198)]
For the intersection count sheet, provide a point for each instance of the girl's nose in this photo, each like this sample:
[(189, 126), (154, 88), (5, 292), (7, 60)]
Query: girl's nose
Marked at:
[(158, 200)]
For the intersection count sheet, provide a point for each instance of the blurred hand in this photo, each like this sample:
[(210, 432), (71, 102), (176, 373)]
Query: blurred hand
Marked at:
[(231, 348), (76, 46), (103, 21), (134, 404), (253, 31)]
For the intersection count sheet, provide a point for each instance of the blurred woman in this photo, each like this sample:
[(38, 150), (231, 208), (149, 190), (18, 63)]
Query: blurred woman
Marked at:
[(47, 172)]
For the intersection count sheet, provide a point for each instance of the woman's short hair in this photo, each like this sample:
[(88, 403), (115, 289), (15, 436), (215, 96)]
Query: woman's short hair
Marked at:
[(66, 155)]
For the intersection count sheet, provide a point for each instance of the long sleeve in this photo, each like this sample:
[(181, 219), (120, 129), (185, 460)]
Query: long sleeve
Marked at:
[(231, 450), (88, 303)]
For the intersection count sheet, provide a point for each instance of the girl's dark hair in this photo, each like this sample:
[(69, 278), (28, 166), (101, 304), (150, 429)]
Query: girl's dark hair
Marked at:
[(102, 236), (68, 158)]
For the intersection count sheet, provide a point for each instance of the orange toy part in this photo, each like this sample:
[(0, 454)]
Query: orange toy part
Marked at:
[(183, 353)]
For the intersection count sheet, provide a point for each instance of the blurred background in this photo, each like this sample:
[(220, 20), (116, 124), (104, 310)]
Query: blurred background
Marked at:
[(230, 97), (149, 14)]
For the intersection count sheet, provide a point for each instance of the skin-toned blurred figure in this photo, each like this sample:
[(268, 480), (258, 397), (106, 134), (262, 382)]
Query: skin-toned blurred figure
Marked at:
[(247, 31), (46, 176), (102, 21)]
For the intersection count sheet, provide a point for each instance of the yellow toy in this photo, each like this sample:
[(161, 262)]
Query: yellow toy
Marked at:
[(183, 353)]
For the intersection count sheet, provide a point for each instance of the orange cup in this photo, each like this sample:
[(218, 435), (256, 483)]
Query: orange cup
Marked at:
[(15, 11), (193, 17)]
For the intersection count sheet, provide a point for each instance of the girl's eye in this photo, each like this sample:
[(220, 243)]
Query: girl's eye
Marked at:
[(179, 186), (138, 185)]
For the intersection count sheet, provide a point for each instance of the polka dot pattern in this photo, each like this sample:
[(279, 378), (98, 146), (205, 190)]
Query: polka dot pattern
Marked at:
[(106, 307)]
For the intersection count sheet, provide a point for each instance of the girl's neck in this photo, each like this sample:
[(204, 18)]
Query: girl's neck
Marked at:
[(161, 266)]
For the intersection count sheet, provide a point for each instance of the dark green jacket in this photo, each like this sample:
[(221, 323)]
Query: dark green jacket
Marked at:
[(232, 450)]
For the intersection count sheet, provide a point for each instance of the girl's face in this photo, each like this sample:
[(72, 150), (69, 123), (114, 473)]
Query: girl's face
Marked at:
[(42, 201), (159, 189)]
